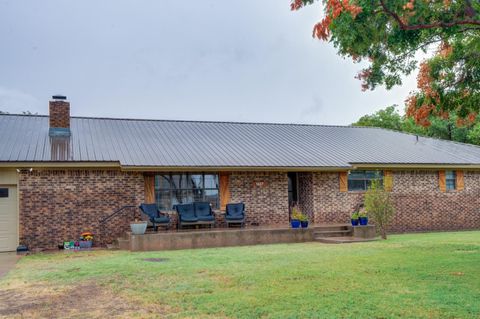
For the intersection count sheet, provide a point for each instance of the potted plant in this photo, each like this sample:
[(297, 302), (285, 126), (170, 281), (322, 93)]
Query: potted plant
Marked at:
[(354, 219), (86, 240), (304, 220), (296, 216), (138, 227), (363, 218)]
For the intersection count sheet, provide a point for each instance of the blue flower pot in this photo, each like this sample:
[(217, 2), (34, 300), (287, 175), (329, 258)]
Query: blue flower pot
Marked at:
[(304, 224), (354, 222), (363, 221), (295, 223)]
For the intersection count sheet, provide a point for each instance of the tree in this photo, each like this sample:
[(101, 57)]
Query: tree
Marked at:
[(379, 205), (387, 118), (473, 136), (23, 112), (387, 35), (446, 129)]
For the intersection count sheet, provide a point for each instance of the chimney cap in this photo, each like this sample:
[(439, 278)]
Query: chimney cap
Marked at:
[(59, 97)]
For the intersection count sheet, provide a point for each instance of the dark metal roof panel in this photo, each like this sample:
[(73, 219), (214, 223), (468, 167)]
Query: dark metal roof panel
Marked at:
[(221, 144)]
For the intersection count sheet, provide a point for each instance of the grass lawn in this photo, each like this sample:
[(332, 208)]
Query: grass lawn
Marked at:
[(434, 275)]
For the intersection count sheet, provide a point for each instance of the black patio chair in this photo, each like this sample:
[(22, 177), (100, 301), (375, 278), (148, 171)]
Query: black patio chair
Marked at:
[(186, 215), (156, 218), (204, 213), (235, 214)]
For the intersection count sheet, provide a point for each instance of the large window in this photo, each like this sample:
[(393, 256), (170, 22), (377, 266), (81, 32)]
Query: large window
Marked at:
[(361, 180), (450, 179), (173, 189)]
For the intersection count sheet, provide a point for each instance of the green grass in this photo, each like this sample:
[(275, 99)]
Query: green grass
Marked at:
[(434, 275)]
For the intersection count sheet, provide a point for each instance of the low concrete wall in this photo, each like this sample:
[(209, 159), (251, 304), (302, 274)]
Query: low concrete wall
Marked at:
[(218, 238), (365, 232)]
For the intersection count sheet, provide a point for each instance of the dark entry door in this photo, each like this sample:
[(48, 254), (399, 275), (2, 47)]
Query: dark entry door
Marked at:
[(292, 189)]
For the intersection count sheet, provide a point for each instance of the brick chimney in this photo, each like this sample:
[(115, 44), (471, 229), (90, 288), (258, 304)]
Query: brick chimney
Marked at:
[(59, 109)]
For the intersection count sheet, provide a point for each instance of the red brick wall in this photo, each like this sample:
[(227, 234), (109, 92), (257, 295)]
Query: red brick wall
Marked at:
[(265, 196), (59, 114), (57, 205), (420, 205)]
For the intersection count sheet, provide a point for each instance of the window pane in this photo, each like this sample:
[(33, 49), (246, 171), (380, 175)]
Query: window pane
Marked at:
[(356, 175), (173, 189), (4, 192), (356, 185), (163, 200), (198, 195), (182, 197), (450, 174), (451, 177), (211, 181), (197, 180), (211, 196), (373, 174), (162, 182), (450, 184)]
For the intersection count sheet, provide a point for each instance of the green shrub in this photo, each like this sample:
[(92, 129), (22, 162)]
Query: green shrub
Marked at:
[(379, 205)]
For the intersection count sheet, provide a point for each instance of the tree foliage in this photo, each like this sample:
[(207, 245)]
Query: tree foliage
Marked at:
[(387, 35), (379, 205), (446, 129), (386, 118)]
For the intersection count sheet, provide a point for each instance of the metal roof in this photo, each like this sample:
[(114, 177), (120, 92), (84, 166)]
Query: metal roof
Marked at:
[(164, 143)]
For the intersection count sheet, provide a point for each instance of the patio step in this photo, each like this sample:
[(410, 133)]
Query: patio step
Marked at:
[(333, 227), (332, 233), (343, 240)]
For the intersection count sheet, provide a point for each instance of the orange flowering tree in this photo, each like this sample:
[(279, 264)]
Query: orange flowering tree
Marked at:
[(388, 35)]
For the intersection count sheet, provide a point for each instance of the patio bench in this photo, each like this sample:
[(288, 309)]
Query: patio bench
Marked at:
[(197, 213)]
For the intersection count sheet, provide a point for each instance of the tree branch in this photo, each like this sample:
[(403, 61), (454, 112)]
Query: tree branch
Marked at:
[(439, 24)]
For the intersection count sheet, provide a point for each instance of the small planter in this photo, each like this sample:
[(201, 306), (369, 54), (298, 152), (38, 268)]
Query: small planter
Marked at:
[(304, 223), (86, 244), (295, 223), (363, 221), (354, 222), (138, 228)]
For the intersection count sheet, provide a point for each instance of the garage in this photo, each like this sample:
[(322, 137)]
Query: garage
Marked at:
[(8, 218)]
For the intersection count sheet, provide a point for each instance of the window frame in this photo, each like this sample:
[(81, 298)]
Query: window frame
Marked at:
[(186, 187), (453, 177), (379, 175)]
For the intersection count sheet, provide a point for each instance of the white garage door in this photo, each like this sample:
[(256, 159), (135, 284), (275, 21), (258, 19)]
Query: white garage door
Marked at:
[(8, 218)]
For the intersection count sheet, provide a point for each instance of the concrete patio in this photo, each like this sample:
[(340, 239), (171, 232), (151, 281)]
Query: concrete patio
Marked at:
[(224, 237)]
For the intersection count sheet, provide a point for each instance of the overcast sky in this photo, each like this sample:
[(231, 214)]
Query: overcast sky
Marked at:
[(236, 60)]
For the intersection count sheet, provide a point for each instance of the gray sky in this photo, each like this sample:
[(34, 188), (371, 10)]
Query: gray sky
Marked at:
[(236, 60)]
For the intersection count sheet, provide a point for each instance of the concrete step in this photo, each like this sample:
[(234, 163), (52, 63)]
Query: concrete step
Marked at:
[(342, 240), (123, 244), (332, 233), (333, 227)]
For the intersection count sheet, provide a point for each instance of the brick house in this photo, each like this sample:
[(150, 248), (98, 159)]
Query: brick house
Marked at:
[(61, 175)]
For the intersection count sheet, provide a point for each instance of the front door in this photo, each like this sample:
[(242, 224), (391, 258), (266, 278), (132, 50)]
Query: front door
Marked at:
[(292, 189), (8, 218)]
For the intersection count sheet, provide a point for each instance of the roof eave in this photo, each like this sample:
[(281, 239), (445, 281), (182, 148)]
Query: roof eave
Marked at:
[(415, 165)]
